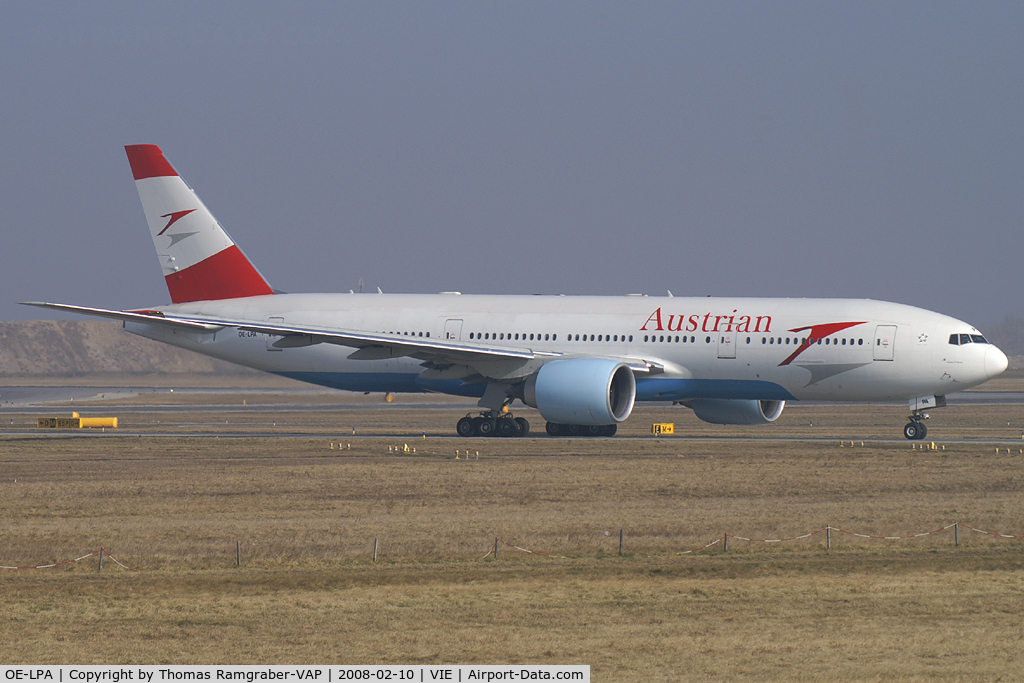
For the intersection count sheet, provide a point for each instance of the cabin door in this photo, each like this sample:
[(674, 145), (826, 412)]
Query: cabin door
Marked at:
[(453, 330), (885, 342)]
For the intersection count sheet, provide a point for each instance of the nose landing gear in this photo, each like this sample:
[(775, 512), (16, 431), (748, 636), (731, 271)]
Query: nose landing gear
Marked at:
[(915, 429)]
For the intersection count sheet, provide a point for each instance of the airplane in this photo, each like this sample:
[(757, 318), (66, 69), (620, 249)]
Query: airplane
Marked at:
[(581, 361)]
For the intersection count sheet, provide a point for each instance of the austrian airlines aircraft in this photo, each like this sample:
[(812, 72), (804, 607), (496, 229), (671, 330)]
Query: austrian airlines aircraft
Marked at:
[(582, 361)]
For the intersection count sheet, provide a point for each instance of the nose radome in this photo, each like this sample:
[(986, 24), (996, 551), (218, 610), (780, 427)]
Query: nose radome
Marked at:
[(995, 361)]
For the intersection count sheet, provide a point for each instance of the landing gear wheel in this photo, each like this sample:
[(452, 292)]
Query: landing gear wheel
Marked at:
[(507, 427), (915, 431), (486, 427), (609, 430), (524, 426), (465, 427), (553, 429), (592, 430)]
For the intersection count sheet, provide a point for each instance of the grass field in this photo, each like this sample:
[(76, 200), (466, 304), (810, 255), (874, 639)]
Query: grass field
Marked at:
[(306, 516)]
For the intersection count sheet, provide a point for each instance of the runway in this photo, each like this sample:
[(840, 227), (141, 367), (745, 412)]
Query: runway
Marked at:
[(43, 399), (329, 416)]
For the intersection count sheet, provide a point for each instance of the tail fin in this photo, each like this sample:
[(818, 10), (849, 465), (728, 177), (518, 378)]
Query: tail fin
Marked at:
[(199, 260)]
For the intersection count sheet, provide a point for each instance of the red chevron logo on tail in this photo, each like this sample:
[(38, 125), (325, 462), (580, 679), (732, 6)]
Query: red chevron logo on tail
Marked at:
[(175, 217)]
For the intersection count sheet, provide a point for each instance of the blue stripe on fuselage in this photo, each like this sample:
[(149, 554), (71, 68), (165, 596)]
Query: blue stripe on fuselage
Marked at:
[(647, 388), (384, 382), (676, 389)]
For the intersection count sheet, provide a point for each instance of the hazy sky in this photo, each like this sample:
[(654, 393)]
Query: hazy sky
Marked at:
[(853, 149)]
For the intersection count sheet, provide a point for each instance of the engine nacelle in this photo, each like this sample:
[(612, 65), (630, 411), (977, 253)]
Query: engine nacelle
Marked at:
[(725, 411), (582, 391)]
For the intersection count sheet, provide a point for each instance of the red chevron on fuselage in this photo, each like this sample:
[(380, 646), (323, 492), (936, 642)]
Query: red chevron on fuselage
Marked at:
[(817, 332)]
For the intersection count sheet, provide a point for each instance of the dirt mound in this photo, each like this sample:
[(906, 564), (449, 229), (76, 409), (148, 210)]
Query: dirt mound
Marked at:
[(61, 347)]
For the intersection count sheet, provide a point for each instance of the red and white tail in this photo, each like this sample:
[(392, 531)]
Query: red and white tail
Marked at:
[(199, 260)]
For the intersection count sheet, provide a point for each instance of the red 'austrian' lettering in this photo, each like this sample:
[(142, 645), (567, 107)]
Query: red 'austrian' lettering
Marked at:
[(707, 322)]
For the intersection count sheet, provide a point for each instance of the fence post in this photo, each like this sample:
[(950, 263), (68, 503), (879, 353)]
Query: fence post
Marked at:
[(495, 547), (956, 534), (375, 550), (101, 560), (725, 543), (828, 537), (620, 541), (238, 553)]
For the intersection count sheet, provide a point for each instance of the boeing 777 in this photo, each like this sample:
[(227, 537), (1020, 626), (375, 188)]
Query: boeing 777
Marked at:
[(581, 361)]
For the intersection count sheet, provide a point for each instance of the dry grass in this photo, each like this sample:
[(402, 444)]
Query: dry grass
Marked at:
[(307, 516)]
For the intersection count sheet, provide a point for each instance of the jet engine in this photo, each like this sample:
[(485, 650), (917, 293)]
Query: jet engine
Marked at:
[(582, 391), (736, 412)]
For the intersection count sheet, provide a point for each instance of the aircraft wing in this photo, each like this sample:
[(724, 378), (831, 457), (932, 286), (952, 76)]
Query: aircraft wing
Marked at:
[(436, 352), (148, 317)]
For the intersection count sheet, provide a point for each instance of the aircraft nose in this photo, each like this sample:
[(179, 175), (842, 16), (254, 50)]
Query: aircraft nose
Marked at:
[(995, 361)]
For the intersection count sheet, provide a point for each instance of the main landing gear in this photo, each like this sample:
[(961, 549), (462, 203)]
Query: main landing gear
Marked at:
[(555, 429), (915, 429), (488, 424)]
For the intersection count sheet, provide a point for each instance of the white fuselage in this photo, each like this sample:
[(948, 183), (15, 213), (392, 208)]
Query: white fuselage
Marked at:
[(742, 348)]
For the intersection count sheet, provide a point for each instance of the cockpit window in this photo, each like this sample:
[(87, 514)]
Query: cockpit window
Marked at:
[(961, 339)]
